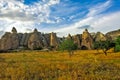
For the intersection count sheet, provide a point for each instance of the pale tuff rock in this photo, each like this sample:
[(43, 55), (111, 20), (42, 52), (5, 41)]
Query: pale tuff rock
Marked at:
[(100, 37), (44, 40), (113, 34), (69, 37), (35, 41), (9, 41), (87, 40), (53, 40), (77, 40), (24, 39)]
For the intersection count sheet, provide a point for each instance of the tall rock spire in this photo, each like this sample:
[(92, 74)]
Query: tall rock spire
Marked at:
[(35, 41), (35, 30), (53, 40), (87, 40), (14, 30)]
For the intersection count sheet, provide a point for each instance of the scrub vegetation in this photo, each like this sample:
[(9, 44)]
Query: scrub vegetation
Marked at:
[(54, 65)]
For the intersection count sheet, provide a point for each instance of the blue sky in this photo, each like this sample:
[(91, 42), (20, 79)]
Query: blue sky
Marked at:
[(60, 16)]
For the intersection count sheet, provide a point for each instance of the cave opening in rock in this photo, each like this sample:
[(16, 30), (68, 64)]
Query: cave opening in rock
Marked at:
[(84, 48)]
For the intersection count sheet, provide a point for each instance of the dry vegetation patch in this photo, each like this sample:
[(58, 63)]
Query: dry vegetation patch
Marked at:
[(53, 65)]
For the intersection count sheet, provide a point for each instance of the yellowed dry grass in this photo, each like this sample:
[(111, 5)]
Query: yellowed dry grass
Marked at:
[(54, 65)]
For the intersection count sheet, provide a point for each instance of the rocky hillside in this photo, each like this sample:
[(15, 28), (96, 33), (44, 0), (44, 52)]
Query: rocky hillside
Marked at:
[(113, 34), (36, 40)]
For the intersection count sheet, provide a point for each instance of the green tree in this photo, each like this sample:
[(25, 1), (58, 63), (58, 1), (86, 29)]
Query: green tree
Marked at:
[(69, 46), (104, 45), (117, 44)]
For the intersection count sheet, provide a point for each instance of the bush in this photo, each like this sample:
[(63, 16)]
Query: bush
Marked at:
[(104, 45), (68, 45), (117, 44)]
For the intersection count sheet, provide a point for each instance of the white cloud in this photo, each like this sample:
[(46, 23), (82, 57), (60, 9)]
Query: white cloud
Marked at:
[(16, 13), (103, 23), (107, 22), (24, 17), (95, 10)]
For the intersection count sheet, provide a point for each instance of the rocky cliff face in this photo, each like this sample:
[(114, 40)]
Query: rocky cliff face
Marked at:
[(69, 37), (100, 37), (77, 40), (87, 40), (113, 34), (54, 40), (36, 40), (9, 41)]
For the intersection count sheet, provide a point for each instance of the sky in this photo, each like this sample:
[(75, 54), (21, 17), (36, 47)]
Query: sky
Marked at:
[(60, 16)]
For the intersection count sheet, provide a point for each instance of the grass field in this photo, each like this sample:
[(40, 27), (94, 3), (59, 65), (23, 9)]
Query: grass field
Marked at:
[(53, 65)]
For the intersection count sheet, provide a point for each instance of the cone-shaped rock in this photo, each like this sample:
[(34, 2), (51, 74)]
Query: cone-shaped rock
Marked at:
[(87, 41), (14, 30), (77, 40), (35, 41), (100, 37), (9, 41), (35, 30), (69, 37)]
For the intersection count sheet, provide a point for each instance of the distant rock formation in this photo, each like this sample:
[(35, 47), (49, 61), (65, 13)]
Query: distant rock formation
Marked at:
[(9, 41), (100, 37), (113, 34), (87, 40), (24, 39), (37, 40), (69, 37), (14, 30), (77, 40), (54, 40)]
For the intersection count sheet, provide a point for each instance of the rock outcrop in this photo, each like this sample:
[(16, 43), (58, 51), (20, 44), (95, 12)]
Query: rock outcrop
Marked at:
[(35, 41), (87, 40), (54, 40), (6, 42), (77, 40), (14, 30), (113, 34), (69, 37), (100, 37), (9, 41), (24, 39)]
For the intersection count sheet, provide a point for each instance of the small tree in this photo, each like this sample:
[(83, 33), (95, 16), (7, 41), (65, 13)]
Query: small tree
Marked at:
[(117, 44), (69, 46), (104, 45)]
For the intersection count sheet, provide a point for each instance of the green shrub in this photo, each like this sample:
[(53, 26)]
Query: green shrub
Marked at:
[(68, 45), (117, 44)]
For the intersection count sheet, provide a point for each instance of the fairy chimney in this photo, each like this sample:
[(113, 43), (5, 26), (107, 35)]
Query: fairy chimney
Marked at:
[(87, 41)]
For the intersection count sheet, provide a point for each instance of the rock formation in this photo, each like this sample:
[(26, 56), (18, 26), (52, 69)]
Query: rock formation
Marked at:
[(69, 37), (113, 34), (6, 42), (87, 40), (35, 41), (24, 39), (45, 41), (14, 30), (77, 40), (100, 37), (53, 40), (9, 41)]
